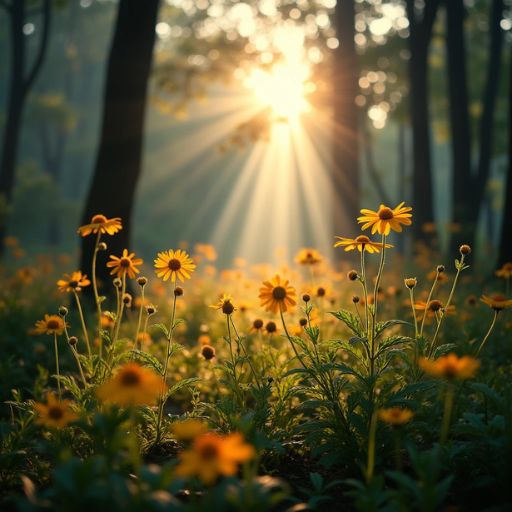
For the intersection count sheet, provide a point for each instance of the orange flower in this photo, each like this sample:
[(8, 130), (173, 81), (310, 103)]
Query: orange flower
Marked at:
[(126, 264), (132, 385), (225, 304), (212, 456), (497, 302), (505, 271), (395, 415), (174, 264), (51, 324), (54, 414), (277, 295), (100, 224), (451, 367), (308, 256), (361, 243), (71, 282), (386, 219), (188, 429)]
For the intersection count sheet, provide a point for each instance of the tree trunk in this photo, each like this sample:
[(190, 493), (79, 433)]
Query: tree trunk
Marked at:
[(118, 162), (505, 251), (19, 86), (419, 41), (459, 121), (345, 171)]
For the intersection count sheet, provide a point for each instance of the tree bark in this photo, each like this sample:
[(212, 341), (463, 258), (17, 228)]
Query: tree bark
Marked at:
[(19, 86), (459, 121), (118, 162), (419, 42), (345, 171), (505, 250)]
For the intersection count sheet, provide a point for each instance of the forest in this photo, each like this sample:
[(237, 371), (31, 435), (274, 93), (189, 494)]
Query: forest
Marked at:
[(256, 256)]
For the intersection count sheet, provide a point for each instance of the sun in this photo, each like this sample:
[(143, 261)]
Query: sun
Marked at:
[(283, 88)]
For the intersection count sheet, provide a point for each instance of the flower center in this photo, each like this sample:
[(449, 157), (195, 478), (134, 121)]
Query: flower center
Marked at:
[(53, 324), (362, 239), (73, 284), (279, 293), (174, 264), (125, 263), (435, 305), (385, 213), (499, 298), (130, 378), (227, 307), (209, 452), (271, 327), (55, 412), (99, 219)]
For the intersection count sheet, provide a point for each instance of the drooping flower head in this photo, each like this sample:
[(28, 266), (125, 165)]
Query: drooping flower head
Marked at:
[(225, 304), (54, 414), (497, 301), (51, 324), (70, 283), (277, 295), (132, 385), (100, 224), (361, 243), (450, 367), (212, 456), (174, 265), (386, 219), (125, 264)]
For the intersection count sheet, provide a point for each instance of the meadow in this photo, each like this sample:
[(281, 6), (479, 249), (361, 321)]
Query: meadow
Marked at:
[(368, 383)]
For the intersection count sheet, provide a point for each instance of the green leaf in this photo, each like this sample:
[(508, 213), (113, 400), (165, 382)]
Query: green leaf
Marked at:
[(350, 320)]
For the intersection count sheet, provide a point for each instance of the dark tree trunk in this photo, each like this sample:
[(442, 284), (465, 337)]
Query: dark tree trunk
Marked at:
[(419, 41), (118, 163), (459, 121), (505, 251), (345, 172), (19, 86), (486, 128)]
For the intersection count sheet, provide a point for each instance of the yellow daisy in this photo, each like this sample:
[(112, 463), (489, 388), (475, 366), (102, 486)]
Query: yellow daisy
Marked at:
[(69, 283), (126, 264), (497, 302), (277, 295), (386, 219), (51, 324), (225, 304), (308, 256), (450, 367), (395, 415), (361, 243), (100, 224), (54, 414), (174, 264)]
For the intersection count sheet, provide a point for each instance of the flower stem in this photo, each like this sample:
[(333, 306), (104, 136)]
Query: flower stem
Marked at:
[(428, 302), (370, 466), (447, 414), (95, 290), (119, 317), (56, 346), (139, 321), (411, 296), (486, 337), (82, 321)]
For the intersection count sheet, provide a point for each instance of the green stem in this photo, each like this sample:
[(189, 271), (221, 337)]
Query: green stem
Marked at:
[(411, 296), (82, 321), (244, 350), (95, 290), (370, 466), (447, 414), (139, 321), (56, 346), (365, 292), (428, 302), (119, 317), (491, 328)]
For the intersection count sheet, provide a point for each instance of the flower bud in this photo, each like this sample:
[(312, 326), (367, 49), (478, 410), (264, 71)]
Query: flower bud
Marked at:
[(208, 352), (352, 275), (306, 297), (440, 269), (355, 299), (102, 246), (178, 291), (257, 324), (465, 249), (411, 282), (63, 311), (73, 340), (141, 281), (303, 322)]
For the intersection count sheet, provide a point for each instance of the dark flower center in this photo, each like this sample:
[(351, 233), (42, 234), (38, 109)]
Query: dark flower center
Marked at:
[(271, 327), (55, 412), (279, 293), (53, 324), (130, 378), (258, 324), (435, 305), (174, 264), (385, 213), (73, 284), (362, 239), (99, 219), (125, 263), (209, 452), (227, 307)]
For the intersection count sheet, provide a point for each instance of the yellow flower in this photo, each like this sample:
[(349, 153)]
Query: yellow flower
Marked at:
[(277, 295), (505, 271), (497, 302), (126, 264), (100, 224), (386, 219), (68, 283), (51, 324), (54, 414), (308, 256), (207, 251), (395, 415), (212, 456), (451, 367), (361, 243), (174, 264), (132, 385), (188, 429), (225, 304)]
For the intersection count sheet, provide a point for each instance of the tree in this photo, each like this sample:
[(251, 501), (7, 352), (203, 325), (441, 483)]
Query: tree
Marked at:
[(420, 26), (505, 249), (118, 163), (20, 83), (345, 172)]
